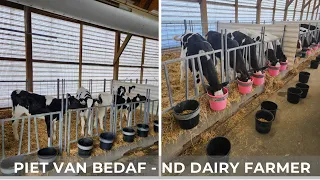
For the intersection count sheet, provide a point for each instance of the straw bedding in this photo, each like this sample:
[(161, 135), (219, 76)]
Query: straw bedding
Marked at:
[(11, 145), (170, 127)]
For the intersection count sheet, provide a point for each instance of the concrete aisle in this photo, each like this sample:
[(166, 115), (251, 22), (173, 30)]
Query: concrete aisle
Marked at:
[(295, 132)]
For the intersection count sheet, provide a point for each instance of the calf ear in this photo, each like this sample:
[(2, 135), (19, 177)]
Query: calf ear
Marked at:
[(224, 84)]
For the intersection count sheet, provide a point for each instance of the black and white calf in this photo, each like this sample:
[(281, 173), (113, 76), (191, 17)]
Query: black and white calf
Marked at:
[(24, 102), (214, 38), (307, 36), (193, 44)]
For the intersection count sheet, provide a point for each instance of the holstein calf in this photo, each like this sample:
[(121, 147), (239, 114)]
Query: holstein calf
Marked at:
[(193, 44), (24, 102), (214, 38)]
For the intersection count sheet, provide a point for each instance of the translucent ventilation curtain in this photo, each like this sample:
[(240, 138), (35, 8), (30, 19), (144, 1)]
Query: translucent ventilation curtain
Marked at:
[(298, 10), (151, 60), (98, 50), (247, 14), (60, 45), (13, 75), (266, 12), (219, 13), (174, 12)]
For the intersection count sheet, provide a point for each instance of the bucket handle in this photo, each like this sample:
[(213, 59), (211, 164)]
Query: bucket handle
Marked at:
[(258, 75), (219, 99), (245, 84)]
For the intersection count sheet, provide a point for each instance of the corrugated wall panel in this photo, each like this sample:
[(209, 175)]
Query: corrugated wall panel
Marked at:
[(298, 10), (279, 15), (266, 15), (152, 75), (247, 3), (127, 73), (12, 43), (97, 45), (64, 43), (222, 1), (247, 15), (133, 51), (151, 56), (220, 13)]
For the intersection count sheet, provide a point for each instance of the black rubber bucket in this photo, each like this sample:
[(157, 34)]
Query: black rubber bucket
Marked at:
[(294, 95), (48, 155), (318, 58), (106, 140), (85, 146), (156, 126), (188, 120), (304, 77), (7, 166), (143, 130), (314, 64), (128, 134), (304, 88), (270, 106), (264, 126), (218, 150)]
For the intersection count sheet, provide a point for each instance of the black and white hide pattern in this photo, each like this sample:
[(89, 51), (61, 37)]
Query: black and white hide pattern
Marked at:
[(85, 98), (308, 39), (193, 44), (214, 38), (24, 102), (243, 39)]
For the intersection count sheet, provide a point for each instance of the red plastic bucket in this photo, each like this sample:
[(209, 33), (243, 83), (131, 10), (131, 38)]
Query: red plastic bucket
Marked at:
[(258, 79), (315, 47), (218, 103), (283, 65), (245, 87), (274, 70)]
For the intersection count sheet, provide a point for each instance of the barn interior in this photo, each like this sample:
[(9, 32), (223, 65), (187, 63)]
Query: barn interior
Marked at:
[(52, 49), (295, 129)]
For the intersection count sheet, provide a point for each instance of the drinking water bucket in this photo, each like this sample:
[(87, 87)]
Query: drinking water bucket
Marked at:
[(270, 106), (314, 64), (294, 95), (304, 88), (264, 120), (156, 126), (106, 140), (218, 150), (143, 130), (218, 103), (304, 77), (258, 79), (190, 119), (49, 155), (245, 87), (85, 146), (274, 70), (128, 134), (7, 166), (283, 65), (309, 52)]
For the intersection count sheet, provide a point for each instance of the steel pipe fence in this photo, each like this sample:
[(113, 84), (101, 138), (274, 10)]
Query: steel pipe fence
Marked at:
[(224, 64), (309, 34)]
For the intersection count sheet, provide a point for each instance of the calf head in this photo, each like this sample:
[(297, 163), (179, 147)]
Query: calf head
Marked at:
[(132, 88), (121, 91), (141, 98), (280, 55), (216, 90), (271, 57), (74, 103)]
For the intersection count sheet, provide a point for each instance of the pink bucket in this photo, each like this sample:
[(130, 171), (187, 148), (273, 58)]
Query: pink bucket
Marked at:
[(218, 103), (309, 52), (283, 65), (315, 48), (274, 70), (245, 87), (318, 45), (258, 79)]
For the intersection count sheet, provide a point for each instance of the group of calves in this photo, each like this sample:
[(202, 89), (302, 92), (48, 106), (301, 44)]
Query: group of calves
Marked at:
[(28, 103)]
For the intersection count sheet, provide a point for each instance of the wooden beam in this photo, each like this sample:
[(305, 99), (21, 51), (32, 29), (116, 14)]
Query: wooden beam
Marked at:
[(306, 4), (288, 3), (308, 11), (123, 46), (258, 11), (294, 11), (116, 61), (274, 10), (204, 16), (28, 47), (236, 10), (314, 6), (302, 9), (80, 56), (147, 4), (142, 59), (317, 10)]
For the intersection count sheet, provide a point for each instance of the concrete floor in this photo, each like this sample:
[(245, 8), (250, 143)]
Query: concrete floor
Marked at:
[(295, 132)]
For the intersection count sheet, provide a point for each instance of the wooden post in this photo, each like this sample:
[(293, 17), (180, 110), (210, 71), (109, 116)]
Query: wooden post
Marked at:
[(288, 3), (28, 45), (317, 11), (294, 11), (314, 8), (142, 59), (258, 11), (304, 5), (116, 61), (80, 56), (236, 10), (274, 10), (204, 16), (308, 11)]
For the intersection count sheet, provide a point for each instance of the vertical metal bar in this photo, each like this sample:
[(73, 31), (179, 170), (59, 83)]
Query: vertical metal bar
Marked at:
[(134, 113), (152, 111), (58, 88), (69, 132), (36, 132), (116, 118), (77, 120), (2, 137), (194, 77), (185, 25), (66, 121), (201, 72), (227, 58), (96, 120), (168, 84), (88, 125), (187, 78), (105, 118), (283, 35), (60, 124), (20, 138), (250, 54), (222, 57), (234, 65), (29, 136), (50, 124), (104, 85), (141, 112)]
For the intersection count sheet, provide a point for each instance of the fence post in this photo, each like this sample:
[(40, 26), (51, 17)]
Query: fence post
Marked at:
[(58, 88), (104, 85)]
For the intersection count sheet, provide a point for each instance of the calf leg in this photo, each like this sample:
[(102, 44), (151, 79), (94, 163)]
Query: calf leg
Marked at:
[(182, 71), (16, 113), (83, 122), (54, 137), (15, 125), (101, 115), (47, 119), (89, 118)]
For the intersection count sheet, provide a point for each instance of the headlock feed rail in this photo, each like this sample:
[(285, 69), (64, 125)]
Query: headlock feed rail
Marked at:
[(225, 63)]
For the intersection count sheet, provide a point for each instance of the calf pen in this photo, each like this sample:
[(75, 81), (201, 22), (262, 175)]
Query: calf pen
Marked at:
[(33, 131), (174, 91)]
